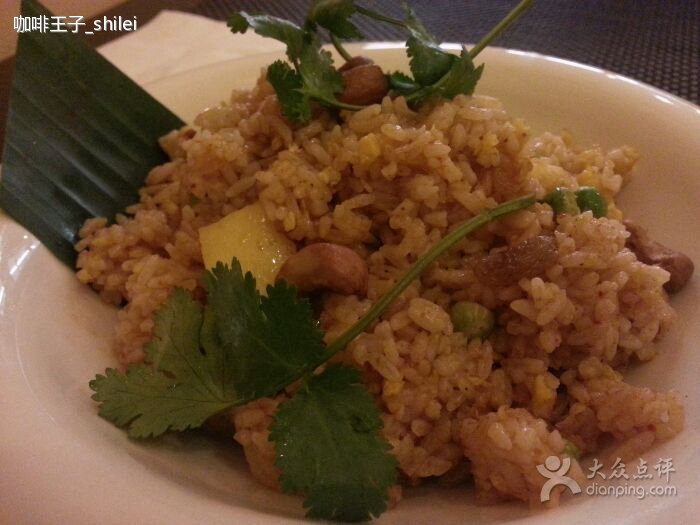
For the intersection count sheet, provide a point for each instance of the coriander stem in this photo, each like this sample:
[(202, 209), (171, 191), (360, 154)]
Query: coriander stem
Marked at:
[(378, 16), (421, 264), (500, 27), (339, 47), (338, 104)]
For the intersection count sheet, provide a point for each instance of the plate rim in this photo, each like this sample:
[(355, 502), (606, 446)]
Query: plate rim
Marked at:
[(4, 220)]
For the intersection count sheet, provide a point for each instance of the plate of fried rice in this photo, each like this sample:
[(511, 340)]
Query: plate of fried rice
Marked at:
[(589, 358)]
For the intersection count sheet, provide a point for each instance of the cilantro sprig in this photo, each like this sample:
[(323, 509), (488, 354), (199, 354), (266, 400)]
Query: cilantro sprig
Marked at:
[(436, 72), (329, 449), (242, 346), (202, 361), (312, 76)]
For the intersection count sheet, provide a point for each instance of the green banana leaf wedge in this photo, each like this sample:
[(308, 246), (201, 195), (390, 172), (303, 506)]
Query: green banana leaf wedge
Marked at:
[(80, 137)]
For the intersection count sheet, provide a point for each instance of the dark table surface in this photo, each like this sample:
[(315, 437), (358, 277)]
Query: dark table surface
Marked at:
[(655, 41)]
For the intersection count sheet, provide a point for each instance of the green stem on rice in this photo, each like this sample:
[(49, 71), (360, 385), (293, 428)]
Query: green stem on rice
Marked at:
[(338, 104), (421, 264), (500, 27), (339, 47)]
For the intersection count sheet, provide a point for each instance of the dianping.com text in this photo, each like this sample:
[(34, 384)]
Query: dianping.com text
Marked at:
[(638, 491)]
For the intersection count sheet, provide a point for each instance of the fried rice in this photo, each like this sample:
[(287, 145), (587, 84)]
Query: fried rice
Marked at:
[(389, 182)]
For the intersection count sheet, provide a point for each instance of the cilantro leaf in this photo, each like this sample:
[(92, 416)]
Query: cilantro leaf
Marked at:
[(272, 27), (270, 341), (314, 76), (428, 62), (436, 72), (149, 404), (328, 447), (462, 77), (201, 363), (334, 15), (321, 80), (287, 84), (174, 348), (182, 388)]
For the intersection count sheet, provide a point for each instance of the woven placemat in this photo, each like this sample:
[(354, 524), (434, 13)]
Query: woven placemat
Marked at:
[(655, 41)]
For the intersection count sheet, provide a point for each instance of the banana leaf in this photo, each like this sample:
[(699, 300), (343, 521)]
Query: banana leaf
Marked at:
[(80, 137)]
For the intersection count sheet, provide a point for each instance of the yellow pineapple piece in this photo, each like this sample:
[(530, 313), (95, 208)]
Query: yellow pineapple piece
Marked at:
[(247, 235)]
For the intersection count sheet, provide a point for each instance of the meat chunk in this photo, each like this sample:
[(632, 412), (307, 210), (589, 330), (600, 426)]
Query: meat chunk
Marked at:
[(326, 266), (528, 258), (649, 251)]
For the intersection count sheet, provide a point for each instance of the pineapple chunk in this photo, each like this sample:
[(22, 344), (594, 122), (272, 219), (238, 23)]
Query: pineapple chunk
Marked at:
[(542, 397), (247, 235)]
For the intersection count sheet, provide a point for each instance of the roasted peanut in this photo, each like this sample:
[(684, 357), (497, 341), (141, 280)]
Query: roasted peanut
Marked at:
[(326, 266), (364, 84), (649, 251)]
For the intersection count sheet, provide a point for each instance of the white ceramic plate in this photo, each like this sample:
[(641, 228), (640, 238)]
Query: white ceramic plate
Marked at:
[(61, 463)]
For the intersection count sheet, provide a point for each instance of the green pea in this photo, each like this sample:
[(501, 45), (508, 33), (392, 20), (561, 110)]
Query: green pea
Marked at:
[(472, 319), (572, 450), (562, 200), (589, 198)]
